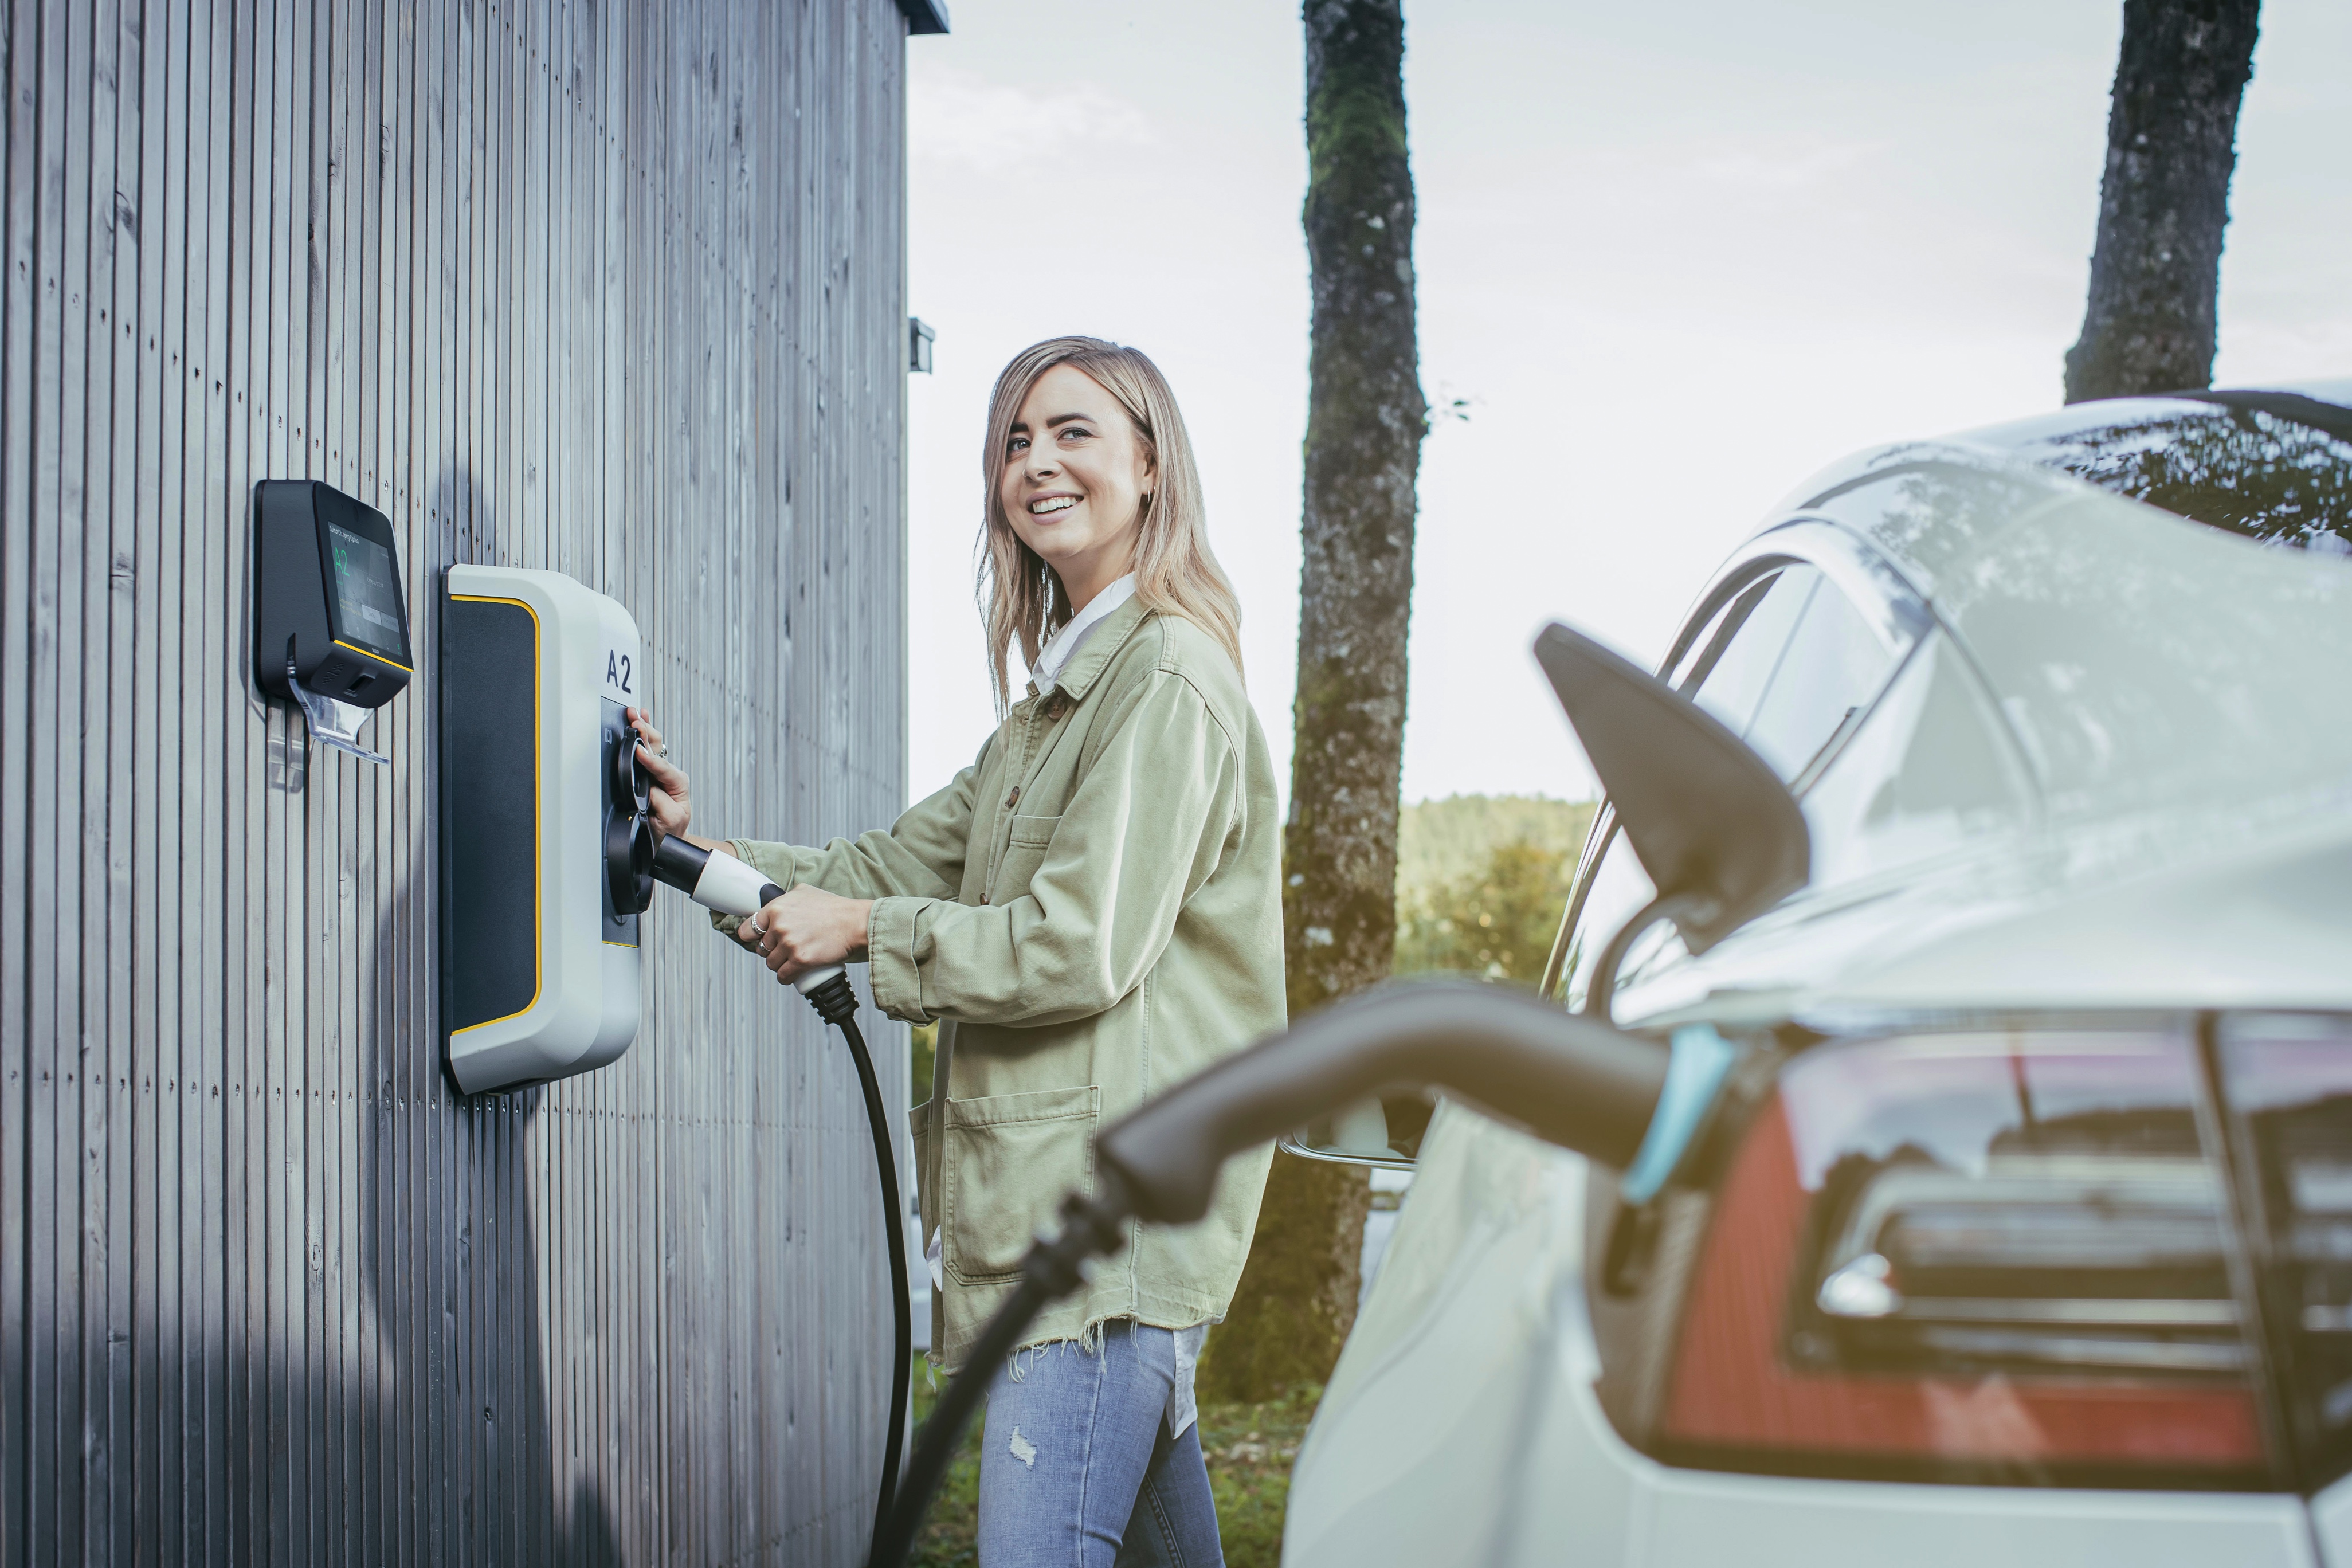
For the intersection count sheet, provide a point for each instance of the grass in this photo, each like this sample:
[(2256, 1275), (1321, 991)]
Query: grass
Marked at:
[(1249, 1449), (951, 1529)]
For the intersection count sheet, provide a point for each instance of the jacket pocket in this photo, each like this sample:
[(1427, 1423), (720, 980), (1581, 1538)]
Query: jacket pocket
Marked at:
[(1024, 851), (1006, 1164)]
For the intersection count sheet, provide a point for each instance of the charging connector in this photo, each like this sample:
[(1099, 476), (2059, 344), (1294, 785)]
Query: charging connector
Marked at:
[(719, 882)]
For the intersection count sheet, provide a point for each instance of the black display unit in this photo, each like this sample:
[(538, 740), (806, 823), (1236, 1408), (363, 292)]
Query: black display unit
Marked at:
[(327, 597)]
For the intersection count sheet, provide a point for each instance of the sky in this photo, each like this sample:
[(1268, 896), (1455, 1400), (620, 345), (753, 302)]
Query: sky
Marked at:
[(1671, 259)]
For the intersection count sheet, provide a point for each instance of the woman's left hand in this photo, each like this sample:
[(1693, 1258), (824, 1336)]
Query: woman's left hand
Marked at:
[(672, 806), (807, 928)]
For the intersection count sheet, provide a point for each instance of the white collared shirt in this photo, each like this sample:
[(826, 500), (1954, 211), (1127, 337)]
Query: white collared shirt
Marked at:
[(1063, 645)]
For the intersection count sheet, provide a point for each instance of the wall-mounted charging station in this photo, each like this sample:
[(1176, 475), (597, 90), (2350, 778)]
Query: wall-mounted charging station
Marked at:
[(546, 855), (329, 627)]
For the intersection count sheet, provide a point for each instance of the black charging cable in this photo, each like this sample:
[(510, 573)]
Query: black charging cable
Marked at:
[(728, 884), (836, 1004)]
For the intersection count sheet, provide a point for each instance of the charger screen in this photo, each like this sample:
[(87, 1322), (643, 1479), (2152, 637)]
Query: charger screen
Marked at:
[(367, 595)]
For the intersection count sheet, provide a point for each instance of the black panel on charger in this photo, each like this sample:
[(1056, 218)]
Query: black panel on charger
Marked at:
[(489, 886), (326, 588)]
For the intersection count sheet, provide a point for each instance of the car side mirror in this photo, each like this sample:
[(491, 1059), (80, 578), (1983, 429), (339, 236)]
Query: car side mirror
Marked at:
[(1719, 834), (1381, 1132)]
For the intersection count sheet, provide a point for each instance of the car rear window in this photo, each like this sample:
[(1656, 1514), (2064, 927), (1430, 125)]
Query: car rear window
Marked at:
[(2272, 467)]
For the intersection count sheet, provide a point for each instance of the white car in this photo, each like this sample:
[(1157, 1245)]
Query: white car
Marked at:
[(2023, 1234)]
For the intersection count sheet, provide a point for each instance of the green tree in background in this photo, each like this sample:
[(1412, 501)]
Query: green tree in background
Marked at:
[(1496, 922), (1365, 420), (1482, 883), (1441, 839), (2164, 200)]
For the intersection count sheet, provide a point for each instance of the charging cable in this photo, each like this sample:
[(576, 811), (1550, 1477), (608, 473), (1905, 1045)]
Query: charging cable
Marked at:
[(1567, 1080), (733, 887)]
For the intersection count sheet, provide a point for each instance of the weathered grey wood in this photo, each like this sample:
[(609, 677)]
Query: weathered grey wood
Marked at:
[(155, 767), (208, 655), (256, 1025), (106, 993), (614, 289), (21, 289), (57, 623)]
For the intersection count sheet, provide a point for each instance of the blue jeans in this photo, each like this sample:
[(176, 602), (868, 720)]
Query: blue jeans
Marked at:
[(1078, 1468)]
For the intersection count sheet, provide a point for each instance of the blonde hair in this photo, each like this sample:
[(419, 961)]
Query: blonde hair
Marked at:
[(1022, 598)]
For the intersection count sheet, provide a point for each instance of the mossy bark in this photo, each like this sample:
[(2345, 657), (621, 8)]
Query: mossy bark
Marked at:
[(1364, 426), (2164, 201)]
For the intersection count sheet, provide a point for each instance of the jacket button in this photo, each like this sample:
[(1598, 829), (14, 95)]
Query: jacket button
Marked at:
[(1014, 799)]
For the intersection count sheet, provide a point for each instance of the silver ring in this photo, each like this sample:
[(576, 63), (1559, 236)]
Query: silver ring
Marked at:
[(663, 751)]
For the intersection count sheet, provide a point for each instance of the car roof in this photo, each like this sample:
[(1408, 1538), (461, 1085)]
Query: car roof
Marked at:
[(2325, 405), (2184, 695), (2272, 463), (2230, 660)]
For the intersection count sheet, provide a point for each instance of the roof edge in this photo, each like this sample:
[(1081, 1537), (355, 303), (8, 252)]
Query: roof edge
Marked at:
[(924, 16)]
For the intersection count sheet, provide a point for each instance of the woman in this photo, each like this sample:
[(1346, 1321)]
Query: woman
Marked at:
[(1092, 912)]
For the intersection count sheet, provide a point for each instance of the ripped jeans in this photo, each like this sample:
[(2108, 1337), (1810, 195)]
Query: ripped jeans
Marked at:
[(1078, 1468)]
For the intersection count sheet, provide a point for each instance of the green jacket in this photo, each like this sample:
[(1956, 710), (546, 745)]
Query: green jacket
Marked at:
[(1093, 912)]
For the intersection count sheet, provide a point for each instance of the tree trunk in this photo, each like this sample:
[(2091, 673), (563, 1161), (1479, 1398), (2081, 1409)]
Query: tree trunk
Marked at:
[(2165, 199), (1364, 426)]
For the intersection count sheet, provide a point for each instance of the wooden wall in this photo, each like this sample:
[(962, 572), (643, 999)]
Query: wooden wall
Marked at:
[(611, 288)]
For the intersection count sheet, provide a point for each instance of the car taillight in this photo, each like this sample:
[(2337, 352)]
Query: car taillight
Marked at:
[(1997, 1255)]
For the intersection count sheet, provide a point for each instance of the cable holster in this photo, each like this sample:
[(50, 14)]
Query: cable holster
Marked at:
[(835, 1001)]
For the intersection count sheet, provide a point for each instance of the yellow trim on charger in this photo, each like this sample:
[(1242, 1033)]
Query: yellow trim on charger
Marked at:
[(394, 662), (537, 920)]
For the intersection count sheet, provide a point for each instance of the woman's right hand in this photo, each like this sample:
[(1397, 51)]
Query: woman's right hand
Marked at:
[(672, 805)]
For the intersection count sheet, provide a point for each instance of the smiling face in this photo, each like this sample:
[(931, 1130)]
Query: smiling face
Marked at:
[(1074, 479)]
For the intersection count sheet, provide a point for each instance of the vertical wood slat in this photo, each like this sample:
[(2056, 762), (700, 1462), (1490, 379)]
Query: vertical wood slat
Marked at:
[(154, 781), (20, 306), (111, 791), (612, 289), (206, 655), (56, 674)]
